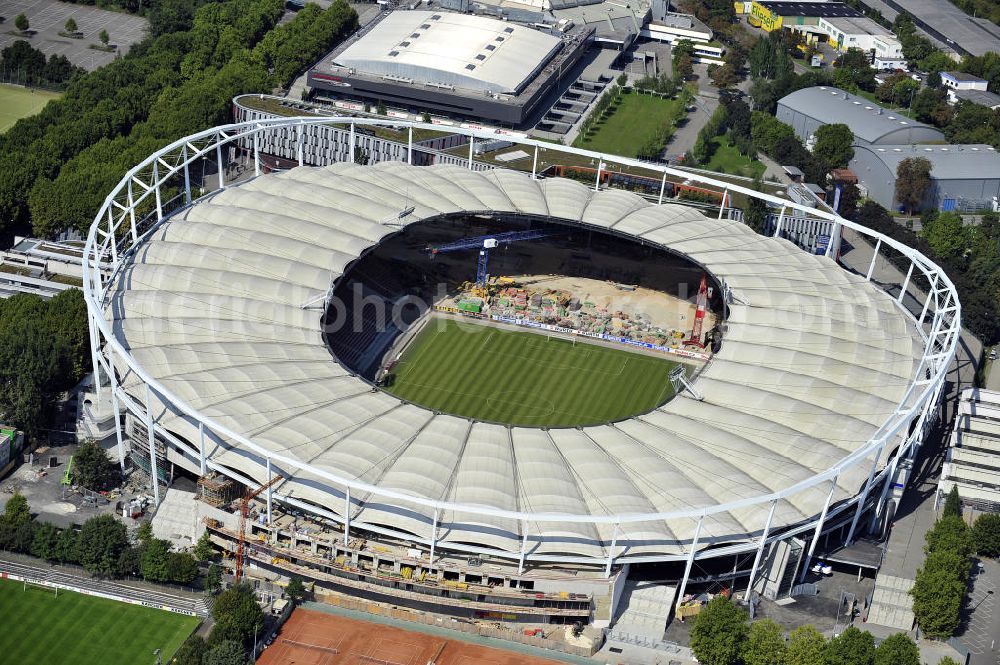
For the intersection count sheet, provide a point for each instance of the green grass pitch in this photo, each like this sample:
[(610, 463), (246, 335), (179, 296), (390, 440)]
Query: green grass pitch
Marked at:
[(526, 378), (42, 629), (17, 103)]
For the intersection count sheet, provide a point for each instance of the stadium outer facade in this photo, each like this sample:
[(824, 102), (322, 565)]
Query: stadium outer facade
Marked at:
[(824, 387)]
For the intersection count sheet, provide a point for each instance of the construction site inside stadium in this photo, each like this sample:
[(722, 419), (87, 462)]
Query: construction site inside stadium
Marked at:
[(775, 402)]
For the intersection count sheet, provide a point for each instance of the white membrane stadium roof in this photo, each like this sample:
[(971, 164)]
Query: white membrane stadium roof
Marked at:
[(814, 361), (465, 51)]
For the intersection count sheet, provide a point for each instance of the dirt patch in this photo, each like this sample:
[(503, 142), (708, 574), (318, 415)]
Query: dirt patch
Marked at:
[(316, 638)]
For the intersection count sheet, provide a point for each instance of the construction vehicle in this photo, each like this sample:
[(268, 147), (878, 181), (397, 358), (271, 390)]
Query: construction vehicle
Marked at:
[(68, 477), (484, 244), (244, 513)]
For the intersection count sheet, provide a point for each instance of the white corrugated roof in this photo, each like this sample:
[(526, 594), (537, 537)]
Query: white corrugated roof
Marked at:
[(462, 50), (212, 307)]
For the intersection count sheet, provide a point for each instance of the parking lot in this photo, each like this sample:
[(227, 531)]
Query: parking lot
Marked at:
[(47, 18)]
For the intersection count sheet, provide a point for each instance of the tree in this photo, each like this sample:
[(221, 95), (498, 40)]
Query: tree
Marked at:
[(295, 589), (948, 237), (426, 117), (191, 652), (238, 606), (70, 26), (719, 632), (380, 109), (913, 179), (144, 533), (203, 550), (930, 105), (755, 212), (100, 544), (938, 591), (103, 36), (953, 503), (805, 647), (951, 534), (130, 562), (93, 469), (16, 512), (986, 533), (66, 547), (181, 568), (897, 649), (21, 23), (45, 543), (834, 145), (226, 653), (854, 71), (213, 578), (947, 660), (765, 644), (851, 647), (683, 59), (154, 560)]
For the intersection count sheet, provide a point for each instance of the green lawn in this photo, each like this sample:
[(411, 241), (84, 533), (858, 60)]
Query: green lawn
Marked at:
[(632, 123), (17, 103), (42, 629), (526, 378), (727, 159)]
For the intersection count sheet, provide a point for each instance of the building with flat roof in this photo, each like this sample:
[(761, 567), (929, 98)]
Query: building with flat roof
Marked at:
[(963, 81), (809, 109), (963, 177), (773, 15), (459, 64), (846, 32), (982, 97)]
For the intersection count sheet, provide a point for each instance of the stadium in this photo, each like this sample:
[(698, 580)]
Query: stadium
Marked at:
[(215, 327)]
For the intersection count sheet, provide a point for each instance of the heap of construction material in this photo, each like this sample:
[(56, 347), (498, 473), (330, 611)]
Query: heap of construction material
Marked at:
[(561, 308)]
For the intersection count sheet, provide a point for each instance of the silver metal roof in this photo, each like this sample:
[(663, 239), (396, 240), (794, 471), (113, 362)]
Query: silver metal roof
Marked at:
[(814, 361), (461, 50), (948, 162), (869, 121)]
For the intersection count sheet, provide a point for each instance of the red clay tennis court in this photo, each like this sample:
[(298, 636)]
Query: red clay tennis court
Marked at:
[(317, 638)]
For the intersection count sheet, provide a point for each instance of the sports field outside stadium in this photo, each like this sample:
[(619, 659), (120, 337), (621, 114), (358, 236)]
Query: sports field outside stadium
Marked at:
[(17, 103), (526, 378), (41, 628)]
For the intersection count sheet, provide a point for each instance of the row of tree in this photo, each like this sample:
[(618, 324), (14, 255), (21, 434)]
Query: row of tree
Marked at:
[(721, 635), (940, 585), (60, 163), (28, 66), (101, 545)]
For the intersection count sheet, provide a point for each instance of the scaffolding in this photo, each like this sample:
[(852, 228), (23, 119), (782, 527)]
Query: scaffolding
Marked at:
[(217, 490)]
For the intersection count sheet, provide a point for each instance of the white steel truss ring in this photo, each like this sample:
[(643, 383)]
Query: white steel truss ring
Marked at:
[(121, 227)]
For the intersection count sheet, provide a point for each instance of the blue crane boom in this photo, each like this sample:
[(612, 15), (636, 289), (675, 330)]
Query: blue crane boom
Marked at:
[(485, 243)]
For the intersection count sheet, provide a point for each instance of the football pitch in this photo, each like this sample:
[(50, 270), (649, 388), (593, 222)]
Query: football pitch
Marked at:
[(42, 629), (17, 103), (526, 378)]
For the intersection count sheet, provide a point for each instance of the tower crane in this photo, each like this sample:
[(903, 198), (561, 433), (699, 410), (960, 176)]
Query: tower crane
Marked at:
[(485, 243), (244, 512)]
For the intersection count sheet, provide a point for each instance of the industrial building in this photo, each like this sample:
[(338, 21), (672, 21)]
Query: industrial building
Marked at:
[(847, 32), (456, 64), (809, 109), (963, 81), (771, 15), (973, 459), (963, 177), (982, 97)]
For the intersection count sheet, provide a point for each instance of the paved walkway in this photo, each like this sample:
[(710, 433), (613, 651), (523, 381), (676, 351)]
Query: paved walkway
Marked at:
[(980, 632)]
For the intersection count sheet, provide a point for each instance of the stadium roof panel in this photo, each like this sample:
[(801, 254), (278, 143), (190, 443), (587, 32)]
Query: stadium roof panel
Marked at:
[(463, 50), (212, 307)]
